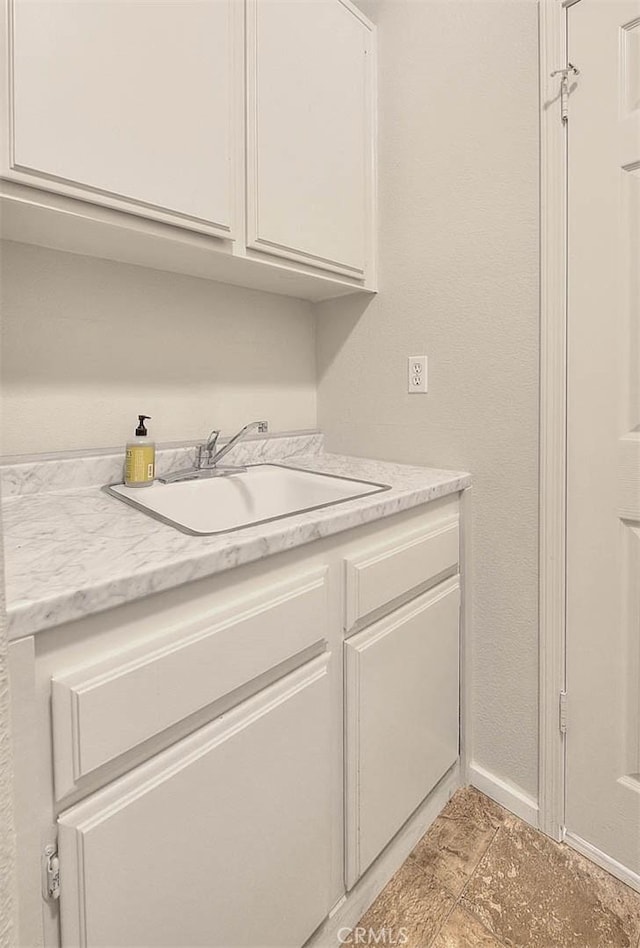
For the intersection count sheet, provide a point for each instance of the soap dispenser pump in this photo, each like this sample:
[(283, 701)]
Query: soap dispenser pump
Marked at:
[(140, 465)]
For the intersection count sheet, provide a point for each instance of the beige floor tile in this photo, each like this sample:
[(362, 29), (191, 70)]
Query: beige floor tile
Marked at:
[(462, 930), (473, 805), (535, 893), (411, 909), (458, 839)]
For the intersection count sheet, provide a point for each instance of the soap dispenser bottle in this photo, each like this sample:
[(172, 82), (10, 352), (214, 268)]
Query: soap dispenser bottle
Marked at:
[(140, 465)]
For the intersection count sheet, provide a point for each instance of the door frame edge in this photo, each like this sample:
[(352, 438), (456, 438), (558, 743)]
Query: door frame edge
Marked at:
[(553, 417)]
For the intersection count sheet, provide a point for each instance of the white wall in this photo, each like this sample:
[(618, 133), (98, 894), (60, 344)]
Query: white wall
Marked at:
[(88, 344), (8, 896), (458, 190)]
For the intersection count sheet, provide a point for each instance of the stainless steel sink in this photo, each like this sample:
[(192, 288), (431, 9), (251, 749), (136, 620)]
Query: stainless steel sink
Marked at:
[(262, 493)]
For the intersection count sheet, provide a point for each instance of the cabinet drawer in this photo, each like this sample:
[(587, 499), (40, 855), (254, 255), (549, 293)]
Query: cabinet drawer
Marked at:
[(380, 574), (401, 718), (103, 710)]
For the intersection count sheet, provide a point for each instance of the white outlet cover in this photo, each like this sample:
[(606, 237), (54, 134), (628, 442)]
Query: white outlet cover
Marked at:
[(417, 371)]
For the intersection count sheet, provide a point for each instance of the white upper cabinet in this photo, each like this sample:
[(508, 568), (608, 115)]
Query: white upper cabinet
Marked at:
[(310, 133), (247, 125), (128, 104)]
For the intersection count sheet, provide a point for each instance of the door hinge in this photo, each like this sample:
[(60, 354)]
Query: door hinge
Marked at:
[(569, 70), (563, 712), (51, 873)]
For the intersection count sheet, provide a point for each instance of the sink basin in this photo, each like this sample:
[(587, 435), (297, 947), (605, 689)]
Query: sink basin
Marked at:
[(262, 493)]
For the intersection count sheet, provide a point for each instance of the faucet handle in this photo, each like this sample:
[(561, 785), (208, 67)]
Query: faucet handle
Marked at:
[(212, 440), (206, 449)]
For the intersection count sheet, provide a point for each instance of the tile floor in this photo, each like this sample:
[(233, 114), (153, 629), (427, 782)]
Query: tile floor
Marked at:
[(481, 878)]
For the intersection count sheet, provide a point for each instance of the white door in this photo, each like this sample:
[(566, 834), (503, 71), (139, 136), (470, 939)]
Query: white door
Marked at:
[(224, 840), (127, 103), (603, 552), (309, 132)]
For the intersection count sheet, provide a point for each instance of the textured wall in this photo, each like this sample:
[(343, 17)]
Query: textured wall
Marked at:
[(458, 191), (8, 908), (88, 344)]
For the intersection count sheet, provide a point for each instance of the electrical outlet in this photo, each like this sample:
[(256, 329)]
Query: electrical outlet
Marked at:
[(417, 375)]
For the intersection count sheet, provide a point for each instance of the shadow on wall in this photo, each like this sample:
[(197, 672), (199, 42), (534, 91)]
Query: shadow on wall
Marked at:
[(88, 343), (351, 309), (103, 323)]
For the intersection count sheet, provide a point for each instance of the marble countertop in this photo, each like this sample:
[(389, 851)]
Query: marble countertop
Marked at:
[(70, 553)]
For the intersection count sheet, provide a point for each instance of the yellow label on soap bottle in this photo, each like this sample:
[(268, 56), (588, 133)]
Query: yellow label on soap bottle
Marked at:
[(140, 464)]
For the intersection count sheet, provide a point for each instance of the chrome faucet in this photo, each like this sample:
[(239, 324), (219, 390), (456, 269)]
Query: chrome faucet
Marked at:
[(207, 454), (207, 457)]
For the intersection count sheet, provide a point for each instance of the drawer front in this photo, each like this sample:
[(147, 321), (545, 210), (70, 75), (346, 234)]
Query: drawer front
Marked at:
[(380, 574), (402, 721), (101, 711)]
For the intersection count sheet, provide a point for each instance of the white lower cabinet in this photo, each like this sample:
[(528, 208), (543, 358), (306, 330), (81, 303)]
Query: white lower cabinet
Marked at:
[(402, 718), (223, 840), (213, 773)]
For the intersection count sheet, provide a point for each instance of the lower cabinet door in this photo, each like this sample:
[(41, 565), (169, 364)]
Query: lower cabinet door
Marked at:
[(402, 718), (222, 840)]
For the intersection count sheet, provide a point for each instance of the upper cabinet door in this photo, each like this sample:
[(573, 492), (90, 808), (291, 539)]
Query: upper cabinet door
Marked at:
[(128, 103), (310, 100)]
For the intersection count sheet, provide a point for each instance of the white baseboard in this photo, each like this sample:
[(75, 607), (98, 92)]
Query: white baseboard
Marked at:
[(509, 796), (348, 912), (616, 869)]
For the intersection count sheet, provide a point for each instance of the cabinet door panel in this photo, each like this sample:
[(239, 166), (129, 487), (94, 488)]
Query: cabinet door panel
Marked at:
[(309, 133), (127, 101), (224, 840), (402, 718)]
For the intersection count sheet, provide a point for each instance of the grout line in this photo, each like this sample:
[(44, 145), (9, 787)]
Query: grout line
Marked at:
[(489, 932), (478, 864), (457, 898), (444, 924), (464, 888)]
